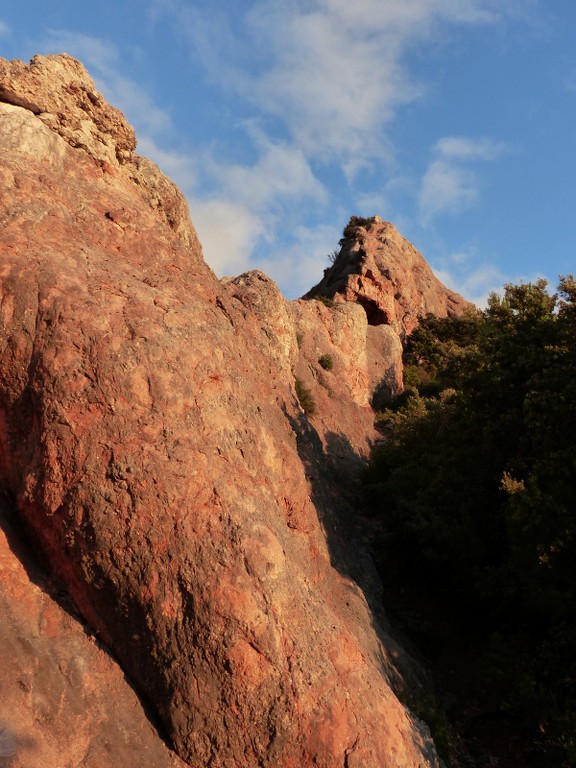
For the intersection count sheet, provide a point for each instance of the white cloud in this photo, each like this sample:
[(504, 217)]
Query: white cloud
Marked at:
[(250, 202), (323, 79), (5, 30), (254, 202), (476, 286), (300, 266), (446, 188), (331, 103), (371, 204), (230, 235), (228, 232), (331, 71), (476, 283), (449, 185), (461, 148), (281, 173)]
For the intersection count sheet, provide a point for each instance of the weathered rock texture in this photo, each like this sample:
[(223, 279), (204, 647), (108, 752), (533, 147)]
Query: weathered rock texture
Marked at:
[(358, 360), (59, 91), (160, 463), (65, 702), (379, 269)]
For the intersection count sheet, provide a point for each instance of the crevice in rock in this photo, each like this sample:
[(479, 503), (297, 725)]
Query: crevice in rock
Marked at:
[(24, 548), (9, 97)]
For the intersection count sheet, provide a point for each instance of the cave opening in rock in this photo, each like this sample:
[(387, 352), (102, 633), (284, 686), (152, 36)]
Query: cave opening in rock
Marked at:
[(375, 314)]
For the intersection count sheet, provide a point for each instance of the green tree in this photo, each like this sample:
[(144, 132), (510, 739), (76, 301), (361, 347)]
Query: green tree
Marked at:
[(474, 490)]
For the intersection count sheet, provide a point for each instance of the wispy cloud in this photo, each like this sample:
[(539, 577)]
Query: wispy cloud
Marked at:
[(228, 232), (446, 188), (477, 282), (254, 205), (477, 285), (248, 203), (180, 167), (332, 72), (319, 83), (449, 184), (300, 266), (281, 173), (460, 148), (323, 80), (5, 30)]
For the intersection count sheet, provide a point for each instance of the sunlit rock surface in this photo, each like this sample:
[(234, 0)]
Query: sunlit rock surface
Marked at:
[(167, 480)]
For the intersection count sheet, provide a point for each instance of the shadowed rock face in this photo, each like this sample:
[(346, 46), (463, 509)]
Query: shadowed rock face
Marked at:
[(65, 702), (160, 464), (380, 270)]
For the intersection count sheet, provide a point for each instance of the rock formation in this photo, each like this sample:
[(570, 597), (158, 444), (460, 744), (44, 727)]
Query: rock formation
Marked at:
[(163, 473), (386, 275)]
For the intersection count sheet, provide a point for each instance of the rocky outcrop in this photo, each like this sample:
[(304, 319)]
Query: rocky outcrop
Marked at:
[(380, 270), (161, 466), (59, 91)]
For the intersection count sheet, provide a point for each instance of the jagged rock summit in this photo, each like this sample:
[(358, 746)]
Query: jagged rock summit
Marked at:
[(385, 274), (166, 497)]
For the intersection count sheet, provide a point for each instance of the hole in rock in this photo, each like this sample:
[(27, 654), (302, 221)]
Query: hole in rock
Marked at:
[(375, 314)]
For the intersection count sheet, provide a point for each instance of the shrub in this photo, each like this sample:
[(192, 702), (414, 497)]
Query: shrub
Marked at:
[(353, 225), (333, 255), (326, 362), (305, 398), (325, 300), (473, 486), (323, 383)]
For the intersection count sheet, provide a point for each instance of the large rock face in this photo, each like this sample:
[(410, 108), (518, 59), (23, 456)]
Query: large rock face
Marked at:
[(165, 473)]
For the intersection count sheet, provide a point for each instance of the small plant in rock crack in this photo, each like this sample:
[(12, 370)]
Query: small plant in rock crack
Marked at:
[(333, 255), (305, 398), (326, 362), (323, 383)]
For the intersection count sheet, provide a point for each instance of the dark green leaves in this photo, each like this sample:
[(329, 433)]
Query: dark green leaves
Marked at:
[(474, 490)]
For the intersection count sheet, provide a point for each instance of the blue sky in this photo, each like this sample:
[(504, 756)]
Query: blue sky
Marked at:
[(454, 119)]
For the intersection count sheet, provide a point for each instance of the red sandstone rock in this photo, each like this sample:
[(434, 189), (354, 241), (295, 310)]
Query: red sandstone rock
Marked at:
[(365, 361), (152, 441), (379, 269), (64, 702)]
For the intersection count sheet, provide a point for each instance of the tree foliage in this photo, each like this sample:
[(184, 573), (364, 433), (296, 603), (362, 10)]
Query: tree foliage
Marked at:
[(474, 493)]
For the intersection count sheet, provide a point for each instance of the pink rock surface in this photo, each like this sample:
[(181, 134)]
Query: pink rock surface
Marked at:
[(65, 702), (153, 445)]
